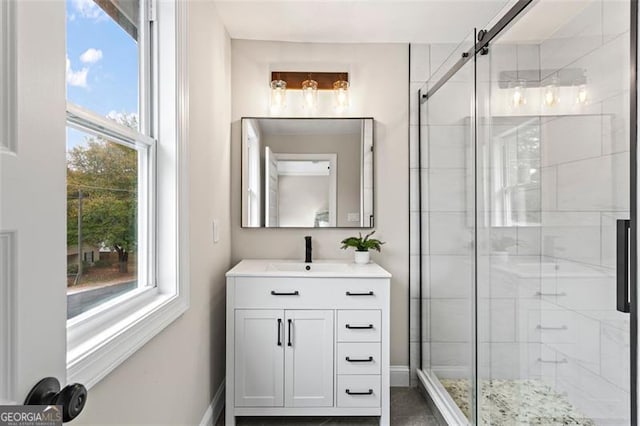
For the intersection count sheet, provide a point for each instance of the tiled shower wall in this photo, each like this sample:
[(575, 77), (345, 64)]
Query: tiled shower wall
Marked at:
[(425, 60), (584, 189), (446, 232)]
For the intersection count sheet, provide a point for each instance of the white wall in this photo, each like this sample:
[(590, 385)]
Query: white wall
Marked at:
[(172, 379), (347, 148), (379, 77), (300, 198)]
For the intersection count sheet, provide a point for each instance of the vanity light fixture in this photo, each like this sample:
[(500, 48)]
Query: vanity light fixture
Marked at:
[(309, 83), (309, 94), (278, 95), (341, 94)]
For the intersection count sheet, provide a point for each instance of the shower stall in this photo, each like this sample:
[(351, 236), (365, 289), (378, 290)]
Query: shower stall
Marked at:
[(527, 225)]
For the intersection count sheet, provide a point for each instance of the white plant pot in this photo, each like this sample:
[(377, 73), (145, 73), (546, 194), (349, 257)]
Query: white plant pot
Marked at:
[(362, 257)]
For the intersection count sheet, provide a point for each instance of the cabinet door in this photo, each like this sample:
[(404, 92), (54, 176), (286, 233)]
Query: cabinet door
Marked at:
[(259, 358), (309, 358)]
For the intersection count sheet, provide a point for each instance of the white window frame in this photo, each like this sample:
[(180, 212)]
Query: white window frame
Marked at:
[(101, 339), (503, 188)]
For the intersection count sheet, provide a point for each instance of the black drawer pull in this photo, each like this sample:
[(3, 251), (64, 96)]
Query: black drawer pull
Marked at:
[(293, 293), (368, 293), (290, 324), (359, 327), (279, 328), (359, 360), (369, 392)]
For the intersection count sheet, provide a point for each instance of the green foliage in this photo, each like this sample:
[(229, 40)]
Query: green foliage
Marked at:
[(102, 263), (104, 175), (362, 244)]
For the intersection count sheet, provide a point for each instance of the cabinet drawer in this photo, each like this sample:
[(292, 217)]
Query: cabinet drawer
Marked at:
[(309, 293), (358, 358), (358, 326), (358, 391)]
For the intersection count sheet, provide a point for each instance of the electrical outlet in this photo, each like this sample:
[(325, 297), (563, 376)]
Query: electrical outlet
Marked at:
[(353, 217)]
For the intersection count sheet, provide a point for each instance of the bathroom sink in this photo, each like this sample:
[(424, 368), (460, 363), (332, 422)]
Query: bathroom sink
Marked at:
[(298, 268), (307, 267)]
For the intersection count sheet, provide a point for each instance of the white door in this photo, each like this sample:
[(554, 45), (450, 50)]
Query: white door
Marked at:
[(309, 358), (32, 196), (271, 188), (259, 358)]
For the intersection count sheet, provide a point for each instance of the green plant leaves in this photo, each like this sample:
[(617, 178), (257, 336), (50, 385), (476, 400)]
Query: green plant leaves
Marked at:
[(362, 244)]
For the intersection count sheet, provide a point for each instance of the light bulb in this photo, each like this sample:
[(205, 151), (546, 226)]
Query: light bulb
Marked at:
[(278, 96), (582, 97), (309, 94), (341, 95), (551, 97), (517, 97)]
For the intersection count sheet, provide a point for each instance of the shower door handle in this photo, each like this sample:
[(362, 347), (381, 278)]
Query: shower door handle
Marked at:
[(622, 264)]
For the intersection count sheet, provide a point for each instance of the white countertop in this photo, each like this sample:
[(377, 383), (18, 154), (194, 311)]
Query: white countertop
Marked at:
[(297, 268)]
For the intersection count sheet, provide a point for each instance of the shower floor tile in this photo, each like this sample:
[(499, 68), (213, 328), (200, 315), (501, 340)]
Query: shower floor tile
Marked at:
[(517, 402)]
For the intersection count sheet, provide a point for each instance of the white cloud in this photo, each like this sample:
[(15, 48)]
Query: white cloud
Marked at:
[(89, 9), (91, 56), (129, 119), (76, 78)]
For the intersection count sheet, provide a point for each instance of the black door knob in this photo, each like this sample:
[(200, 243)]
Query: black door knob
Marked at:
[(47, 392)]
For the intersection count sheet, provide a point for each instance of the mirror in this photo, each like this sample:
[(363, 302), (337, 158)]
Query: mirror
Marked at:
[(307, 172)]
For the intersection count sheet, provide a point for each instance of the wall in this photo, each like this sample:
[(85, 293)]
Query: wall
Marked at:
[(173, 378), (347, 148), (379, 90), (300, 198)]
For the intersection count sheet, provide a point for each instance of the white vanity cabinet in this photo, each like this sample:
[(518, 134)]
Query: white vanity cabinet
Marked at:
[(307, 342)]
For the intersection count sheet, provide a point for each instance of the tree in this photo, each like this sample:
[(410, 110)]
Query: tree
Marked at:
[(107, 174)]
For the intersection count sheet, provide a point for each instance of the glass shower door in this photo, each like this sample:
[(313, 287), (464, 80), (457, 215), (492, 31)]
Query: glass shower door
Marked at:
[(552, 182), (447, 244)]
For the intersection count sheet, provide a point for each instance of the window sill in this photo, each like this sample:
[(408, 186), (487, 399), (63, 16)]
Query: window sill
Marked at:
[(117, 332)]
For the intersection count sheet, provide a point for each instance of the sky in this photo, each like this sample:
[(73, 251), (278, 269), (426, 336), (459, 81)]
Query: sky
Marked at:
[(102, 64)]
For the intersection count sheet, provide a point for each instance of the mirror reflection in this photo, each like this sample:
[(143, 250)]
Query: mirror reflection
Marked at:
[(307, 172)]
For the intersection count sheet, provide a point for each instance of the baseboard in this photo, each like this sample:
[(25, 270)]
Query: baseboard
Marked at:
[(215, 408), (399, 376)]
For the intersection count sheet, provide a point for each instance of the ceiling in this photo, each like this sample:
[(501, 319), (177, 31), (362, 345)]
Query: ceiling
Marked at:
[(356, 21)]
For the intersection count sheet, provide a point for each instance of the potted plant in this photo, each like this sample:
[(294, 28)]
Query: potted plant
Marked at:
[(362, 246)]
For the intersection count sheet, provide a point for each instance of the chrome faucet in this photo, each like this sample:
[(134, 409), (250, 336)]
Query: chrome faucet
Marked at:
[(307, 249)]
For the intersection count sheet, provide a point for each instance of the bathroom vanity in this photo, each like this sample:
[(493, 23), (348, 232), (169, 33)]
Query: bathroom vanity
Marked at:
[(307, 339)]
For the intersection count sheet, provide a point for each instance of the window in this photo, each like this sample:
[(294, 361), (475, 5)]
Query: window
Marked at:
[(108, 152), (516, 158), (126, 198)]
